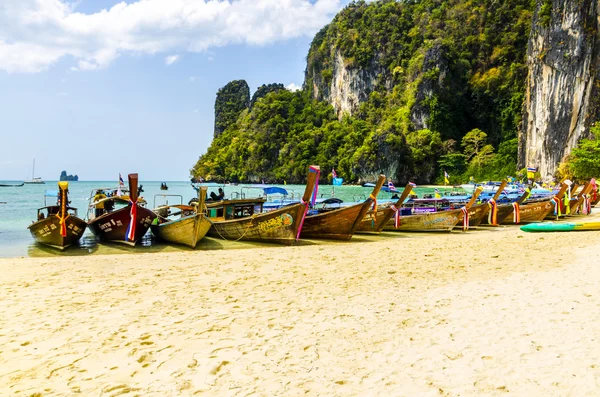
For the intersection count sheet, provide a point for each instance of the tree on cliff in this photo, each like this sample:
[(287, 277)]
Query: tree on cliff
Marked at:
[(264, 89), (231, 100), (584, 161)]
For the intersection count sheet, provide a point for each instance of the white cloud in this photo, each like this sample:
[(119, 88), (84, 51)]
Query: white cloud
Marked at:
[(193, 78), (62, 93), (196, 110), (293, 87), (171, 59), (35, 34)]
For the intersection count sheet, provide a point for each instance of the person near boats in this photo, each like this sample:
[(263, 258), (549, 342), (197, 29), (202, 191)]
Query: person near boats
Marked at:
[(99, 206)]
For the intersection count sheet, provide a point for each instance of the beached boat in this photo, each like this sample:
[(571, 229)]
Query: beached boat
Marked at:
[(375, 221), (560, 209), (478, 212), (441, 221), (244, 219), (58, 225), (127, 223), (182, 224), (340, 223), (580, 200)]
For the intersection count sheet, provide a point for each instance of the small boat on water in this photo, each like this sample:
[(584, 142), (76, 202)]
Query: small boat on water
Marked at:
[(5, 185), (179, 223), (57, 225), (340, 223), (34, 180), (119, 217), (244, 219), (163, 186), (375, 221), (438, 221)]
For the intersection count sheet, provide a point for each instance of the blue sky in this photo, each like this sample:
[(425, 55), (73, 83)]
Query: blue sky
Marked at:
[(99, 88)]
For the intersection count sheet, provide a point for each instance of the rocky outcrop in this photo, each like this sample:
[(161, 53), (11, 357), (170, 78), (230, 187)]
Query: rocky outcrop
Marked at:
[(231, 100), (65, 177), (347, 86), (561, 98)]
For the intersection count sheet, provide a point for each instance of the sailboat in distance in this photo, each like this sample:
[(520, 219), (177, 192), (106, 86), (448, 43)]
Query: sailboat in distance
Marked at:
[(34, 179)]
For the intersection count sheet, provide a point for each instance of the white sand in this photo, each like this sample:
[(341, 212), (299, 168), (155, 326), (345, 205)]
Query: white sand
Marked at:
[(485, 313)]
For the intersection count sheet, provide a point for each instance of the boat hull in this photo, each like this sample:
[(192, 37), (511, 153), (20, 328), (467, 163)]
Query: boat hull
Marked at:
[(338, 224), (113, 226), (47, 231), (476, 215), (278, 226), (443, 221), (502, 213), (185, 231), (532, 212), (375, 224)]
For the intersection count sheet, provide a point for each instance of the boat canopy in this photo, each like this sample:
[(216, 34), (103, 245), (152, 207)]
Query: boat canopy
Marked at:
[(268, 189), (51, 193)]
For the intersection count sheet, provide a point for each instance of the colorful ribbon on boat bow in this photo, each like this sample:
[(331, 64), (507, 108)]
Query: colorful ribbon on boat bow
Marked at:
[(587, 204), (557, 206), (567, 201), (465, 212), (516, 213), (374, 207), (62, 215), (396, 216), (493, 213), (130, 234), (63, 223)]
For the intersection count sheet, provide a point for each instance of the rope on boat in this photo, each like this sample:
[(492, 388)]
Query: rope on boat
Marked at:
[(245, 231)]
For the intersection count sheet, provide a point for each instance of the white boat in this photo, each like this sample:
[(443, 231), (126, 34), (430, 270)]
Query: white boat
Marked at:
[(34, 179)]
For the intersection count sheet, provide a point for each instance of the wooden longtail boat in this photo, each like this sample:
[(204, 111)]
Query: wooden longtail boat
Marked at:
[(244, 220), (127, 224), (442, 221), (581, 197), (191, 226), (340, 223), (374, 222), (560, 198), (478, 212), (505, 210), (58, 225), (531, 212), (535, 211)]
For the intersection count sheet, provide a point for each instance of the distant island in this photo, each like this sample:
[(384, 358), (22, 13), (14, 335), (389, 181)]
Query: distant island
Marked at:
[(65, 177)]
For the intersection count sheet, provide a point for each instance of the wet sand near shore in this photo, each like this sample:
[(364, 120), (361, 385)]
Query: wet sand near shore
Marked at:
[(487, 312)]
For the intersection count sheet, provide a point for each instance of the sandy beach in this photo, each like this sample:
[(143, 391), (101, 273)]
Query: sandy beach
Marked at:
[(483, 313)]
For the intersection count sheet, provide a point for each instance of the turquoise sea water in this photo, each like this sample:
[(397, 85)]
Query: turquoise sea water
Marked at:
[(18, 209)]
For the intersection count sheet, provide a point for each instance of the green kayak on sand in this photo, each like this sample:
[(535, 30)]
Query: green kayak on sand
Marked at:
[(560, 227)]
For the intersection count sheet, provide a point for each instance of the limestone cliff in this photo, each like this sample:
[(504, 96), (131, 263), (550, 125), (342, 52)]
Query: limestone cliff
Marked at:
[(561, 98), (347, 85)]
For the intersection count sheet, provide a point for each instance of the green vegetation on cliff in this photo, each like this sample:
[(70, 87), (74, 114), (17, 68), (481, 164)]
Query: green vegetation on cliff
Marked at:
[(231, 101), (438, 72)]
